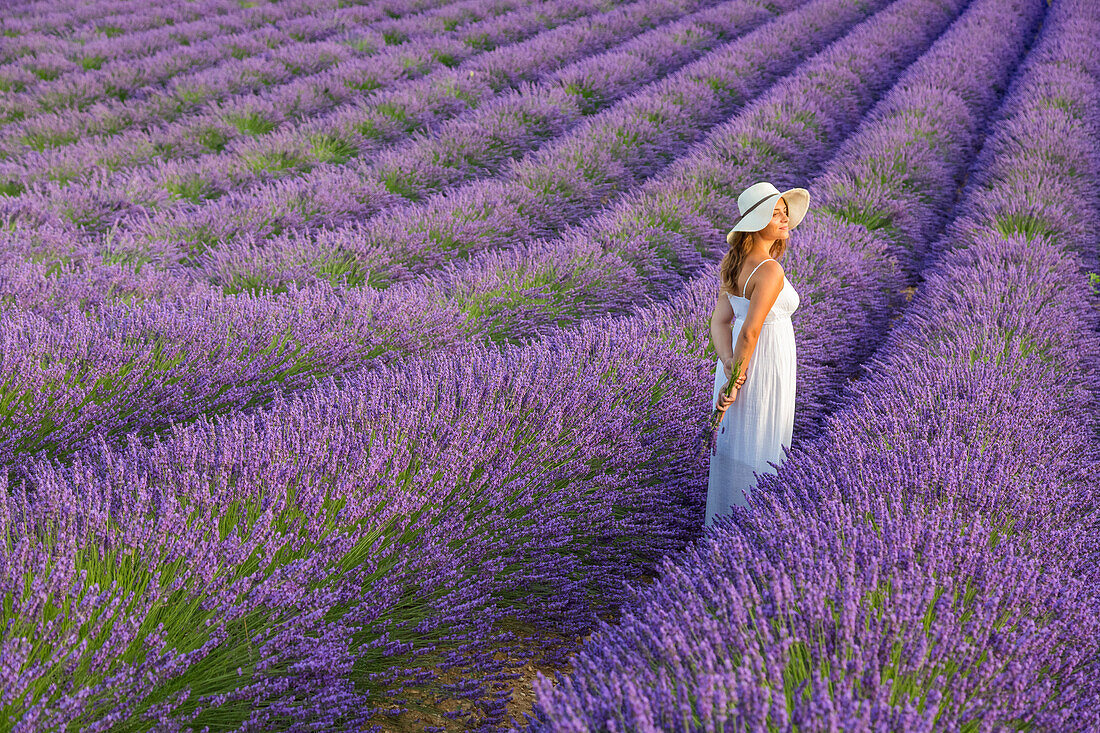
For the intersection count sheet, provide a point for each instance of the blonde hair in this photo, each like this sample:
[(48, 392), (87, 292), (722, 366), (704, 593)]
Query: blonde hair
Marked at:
[(735, 257)]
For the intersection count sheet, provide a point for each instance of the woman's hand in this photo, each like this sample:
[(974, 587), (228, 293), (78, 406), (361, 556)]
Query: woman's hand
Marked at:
[(727, 367), (723, 401)]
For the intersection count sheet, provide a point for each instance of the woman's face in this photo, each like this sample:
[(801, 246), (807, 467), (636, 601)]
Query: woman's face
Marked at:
[(779, 226)]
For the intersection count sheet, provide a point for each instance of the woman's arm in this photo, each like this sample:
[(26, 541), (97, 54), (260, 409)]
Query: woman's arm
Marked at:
[(764, 294), (720, 334)]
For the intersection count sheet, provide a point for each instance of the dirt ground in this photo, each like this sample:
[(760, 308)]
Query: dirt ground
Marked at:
[(523, 693), (522, 702)]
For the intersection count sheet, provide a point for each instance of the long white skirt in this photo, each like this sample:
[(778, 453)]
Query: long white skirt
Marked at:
[(758, 423)]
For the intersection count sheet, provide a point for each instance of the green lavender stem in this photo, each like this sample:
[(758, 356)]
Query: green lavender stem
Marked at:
[(727, 390)]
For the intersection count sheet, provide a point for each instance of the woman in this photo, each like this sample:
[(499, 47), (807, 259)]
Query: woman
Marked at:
[(759, 413)]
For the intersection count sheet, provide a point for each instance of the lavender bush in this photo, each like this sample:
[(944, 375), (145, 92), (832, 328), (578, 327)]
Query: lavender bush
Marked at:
[(427, 526)]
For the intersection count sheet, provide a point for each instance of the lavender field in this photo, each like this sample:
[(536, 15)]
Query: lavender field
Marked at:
[(355, 366)]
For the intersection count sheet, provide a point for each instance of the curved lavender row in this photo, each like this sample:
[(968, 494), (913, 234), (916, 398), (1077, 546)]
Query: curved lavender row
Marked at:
[(117, 77), (367, 125), (235, 73), (75, 85), (362, 507), (142, 95), (473, 146), (226, 129), (942, 524), (218, 18), (69, 379), (59, 126), (575, 175), (117, 409), (74, 12)]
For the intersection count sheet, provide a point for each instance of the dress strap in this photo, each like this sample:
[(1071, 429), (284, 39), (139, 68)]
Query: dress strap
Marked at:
[(753, 273)]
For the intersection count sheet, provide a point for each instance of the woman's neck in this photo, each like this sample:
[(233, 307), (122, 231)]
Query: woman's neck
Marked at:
[(761, 248)]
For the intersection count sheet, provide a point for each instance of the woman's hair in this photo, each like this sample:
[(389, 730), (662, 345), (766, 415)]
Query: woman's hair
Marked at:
[(735, 257)]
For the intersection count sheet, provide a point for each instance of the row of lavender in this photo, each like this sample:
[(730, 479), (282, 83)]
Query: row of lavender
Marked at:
[(106, 98), (112, 18), (27, 43), (231, 128), (930, 562), (50, 82), (447, 497), (81, 372), (47, 73)]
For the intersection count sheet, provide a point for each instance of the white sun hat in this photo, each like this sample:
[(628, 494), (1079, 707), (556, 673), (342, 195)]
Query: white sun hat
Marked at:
[(757, 202)]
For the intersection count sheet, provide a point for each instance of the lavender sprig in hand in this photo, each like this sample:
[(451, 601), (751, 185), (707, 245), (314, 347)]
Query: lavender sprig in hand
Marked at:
[(718, 414)]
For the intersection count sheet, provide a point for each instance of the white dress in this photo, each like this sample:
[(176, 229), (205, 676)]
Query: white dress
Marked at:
[(762, 416)]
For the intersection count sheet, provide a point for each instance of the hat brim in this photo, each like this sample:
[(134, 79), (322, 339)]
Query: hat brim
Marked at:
[(798, 202)]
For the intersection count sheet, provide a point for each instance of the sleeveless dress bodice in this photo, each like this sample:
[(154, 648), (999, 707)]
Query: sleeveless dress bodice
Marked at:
[(761, 420), (785, 304)]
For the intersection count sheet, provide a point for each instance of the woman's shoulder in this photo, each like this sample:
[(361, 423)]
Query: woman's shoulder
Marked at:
[(771, 264), (769, 269), (766, 271)]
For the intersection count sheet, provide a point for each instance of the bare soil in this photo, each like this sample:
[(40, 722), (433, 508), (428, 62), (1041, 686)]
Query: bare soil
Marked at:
[(426, 711)]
